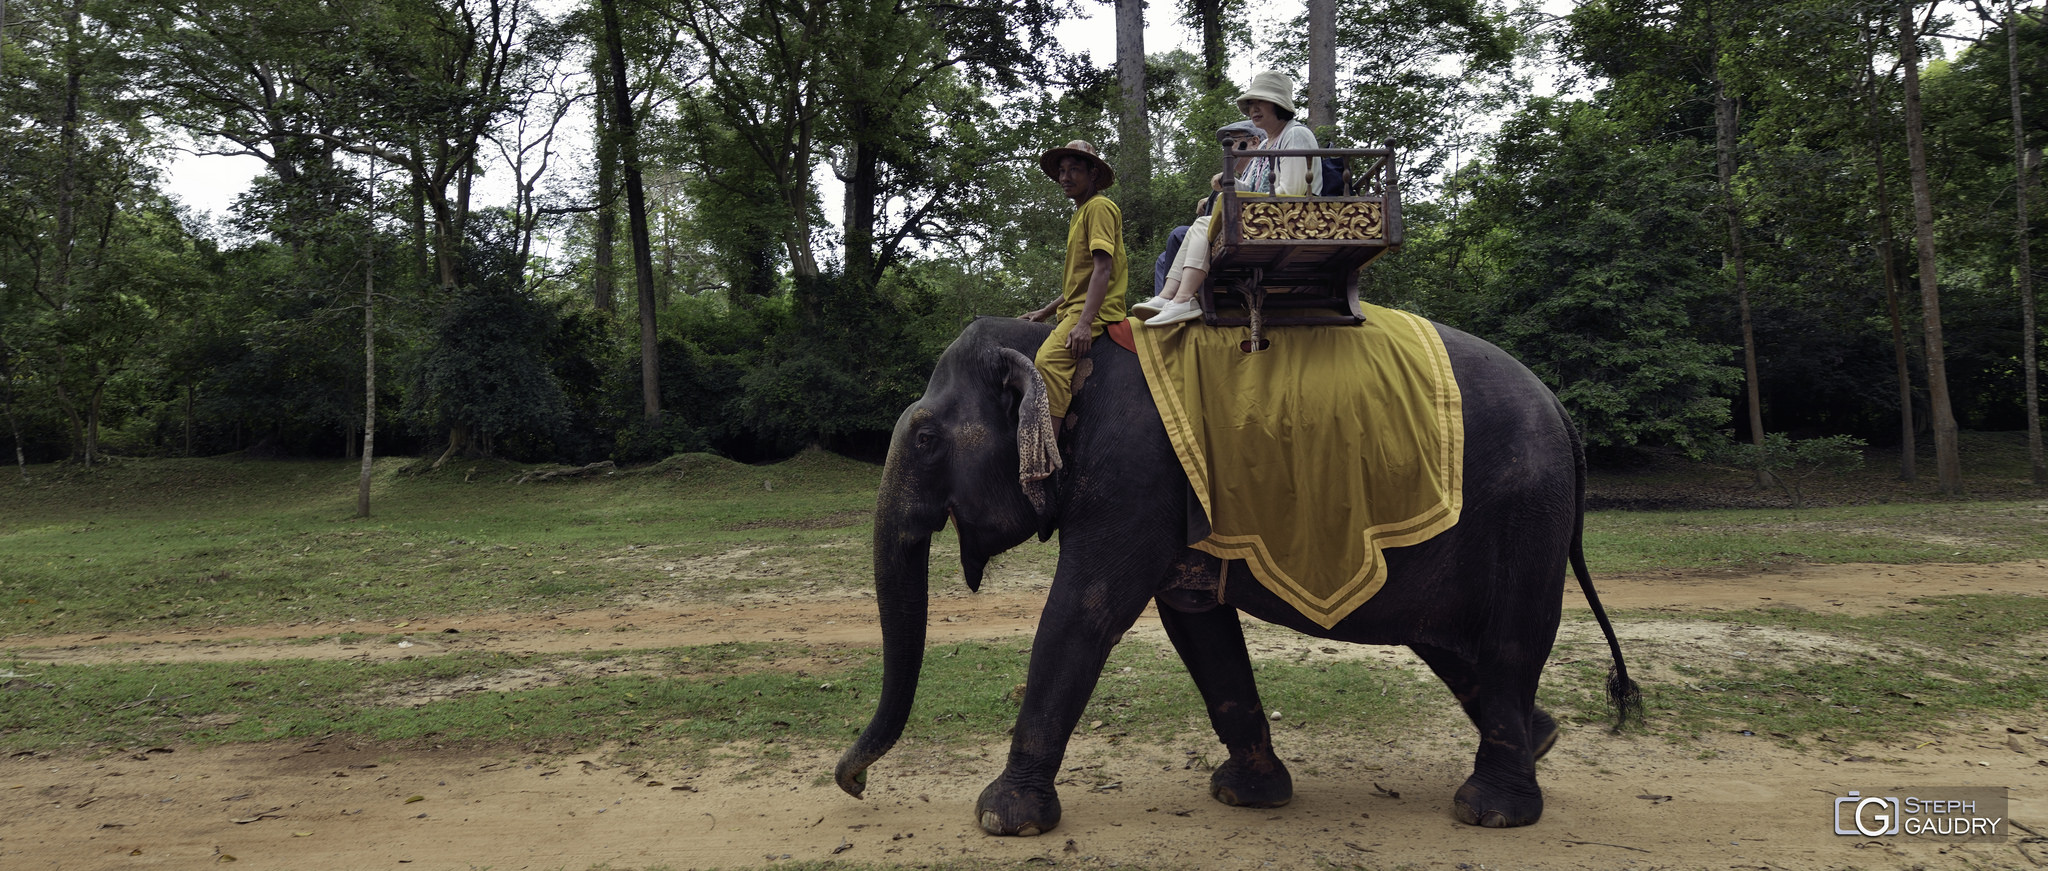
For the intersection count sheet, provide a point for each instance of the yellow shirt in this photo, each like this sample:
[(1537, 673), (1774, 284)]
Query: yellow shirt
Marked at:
[(1098, 225)]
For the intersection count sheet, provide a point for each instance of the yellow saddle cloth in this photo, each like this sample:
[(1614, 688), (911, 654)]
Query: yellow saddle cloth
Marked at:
[(1315, 455)]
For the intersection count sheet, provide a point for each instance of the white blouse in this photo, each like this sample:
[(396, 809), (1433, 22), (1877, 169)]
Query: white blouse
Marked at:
[(1296, 176)]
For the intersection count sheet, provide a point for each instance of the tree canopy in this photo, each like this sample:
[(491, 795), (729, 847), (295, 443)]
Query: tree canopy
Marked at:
[(1624, 197)]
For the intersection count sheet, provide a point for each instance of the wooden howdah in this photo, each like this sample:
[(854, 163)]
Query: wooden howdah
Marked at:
[(1294, 261)]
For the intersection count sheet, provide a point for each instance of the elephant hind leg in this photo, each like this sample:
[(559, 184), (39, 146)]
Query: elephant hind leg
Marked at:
[(1211, 644), (1513, 732)]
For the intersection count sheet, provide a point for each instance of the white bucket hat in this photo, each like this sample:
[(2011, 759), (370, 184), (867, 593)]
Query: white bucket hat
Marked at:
[(1273, 87)]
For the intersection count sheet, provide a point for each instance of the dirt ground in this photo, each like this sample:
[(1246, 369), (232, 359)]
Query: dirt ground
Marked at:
[(1635, 802)]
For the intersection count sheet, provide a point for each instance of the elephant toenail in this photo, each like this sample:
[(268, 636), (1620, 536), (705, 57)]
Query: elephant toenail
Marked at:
[(1494, 820)]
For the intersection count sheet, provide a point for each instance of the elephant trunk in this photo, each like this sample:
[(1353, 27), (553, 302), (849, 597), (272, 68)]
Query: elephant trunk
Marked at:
[(902, 592)]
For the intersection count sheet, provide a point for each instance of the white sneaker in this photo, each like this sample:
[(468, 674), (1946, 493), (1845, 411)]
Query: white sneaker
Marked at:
[(1176, 312), (1150, 307)]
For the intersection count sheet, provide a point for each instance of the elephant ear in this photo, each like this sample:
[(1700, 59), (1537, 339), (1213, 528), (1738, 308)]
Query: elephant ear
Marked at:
[(1038, 451)]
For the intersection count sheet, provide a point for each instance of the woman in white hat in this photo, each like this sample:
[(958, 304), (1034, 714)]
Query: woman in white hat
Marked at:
[(1269, 104)]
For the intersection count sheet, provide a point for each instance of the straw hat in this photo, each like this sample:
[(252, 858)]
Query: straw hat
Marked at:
[(1050, 162), (1273, 87)]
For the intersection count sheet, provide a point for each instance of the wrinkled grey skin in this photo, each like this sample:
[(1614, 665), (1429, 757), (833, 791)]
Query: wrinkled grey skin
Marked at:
[(1479, 603)]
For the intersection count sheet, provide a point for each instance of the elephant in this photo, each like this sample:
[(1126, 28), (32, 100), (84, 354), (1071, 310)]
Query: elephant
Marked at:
[(1480, 603)]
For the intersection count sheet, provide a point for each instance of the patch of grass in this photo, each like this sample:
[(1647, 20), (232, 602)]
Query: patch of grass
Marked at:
[(1978, 532), (164, 543), (1954, 657), (150, 544), (733, 695), (715, 693)]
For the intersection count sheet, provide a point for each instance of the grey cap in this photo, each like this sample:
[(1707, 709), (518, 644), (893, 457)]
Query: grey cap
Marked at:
[(1239, 130)]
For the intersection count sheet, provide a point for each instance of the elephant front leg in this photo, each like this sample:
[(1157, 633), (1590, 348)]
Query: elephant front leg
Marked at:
[(1074, 639), (1211, 643), (1513, 733)]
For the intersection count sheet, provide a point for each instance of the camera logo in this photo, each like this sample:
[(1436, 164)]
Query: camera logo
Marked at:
[(1967, 813), (1870, 816)]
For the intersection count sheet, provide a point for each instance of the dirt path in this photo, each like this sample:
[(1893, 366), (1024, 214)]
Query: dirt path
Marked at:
[(1727, 801)]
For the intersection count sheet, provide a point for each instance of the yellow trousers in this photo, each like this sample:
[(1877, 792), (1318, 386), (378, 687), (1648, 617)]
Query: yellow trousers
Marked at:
[(1056, 363)]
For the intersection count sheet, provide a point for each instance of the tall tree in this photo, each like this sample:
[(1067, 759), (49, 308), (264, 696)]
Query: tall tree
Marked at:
[(873, 85), (1134, 122), (93, 262), (1214, 20), (369, 356), (1595, 268), (1421, 74), (2022, 245), (1322, 63), (603, 281), (1726, 33), (1947, 452), (1888, 254), (628, 144)]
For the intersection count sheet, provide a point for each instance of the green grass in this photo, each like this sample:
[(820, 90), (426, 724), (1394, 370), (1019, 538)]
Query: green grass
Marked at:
[(1977, 532), (156, 544), (185, 542), (149, 544), (1951, 658), (716, 695)]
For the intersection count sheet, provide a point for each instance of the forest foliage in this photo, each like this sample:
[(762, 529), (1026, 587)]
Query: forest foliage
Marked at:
[(832, 187)]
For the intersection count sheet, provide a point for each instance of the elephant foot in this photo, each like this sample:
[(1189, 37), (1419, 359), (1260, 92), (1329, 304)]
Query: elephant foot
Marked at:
[(1478, 804), (1252, 780), (1020, 811), (1543, 733)]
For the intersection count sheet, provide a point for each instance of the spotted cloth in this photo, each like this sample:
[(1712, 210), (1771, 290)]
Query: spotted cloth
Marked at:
[(1315, 455)]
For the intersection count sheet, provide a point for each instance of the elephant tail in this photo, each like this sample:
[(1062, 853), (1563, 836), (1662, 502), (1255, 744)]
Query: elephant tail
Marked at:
[(1622, 692)]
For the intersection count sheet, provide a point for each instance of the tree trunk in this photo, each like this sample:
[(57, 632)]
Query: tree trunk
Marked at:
[(863, 188), (445, 239), (1322, 65), (1888, 248), (1134, 125), (603, 277), (423, 266), (458, 442), (626, 130), (1724, 148), (188, 418), (67, 174), (1208, 15), (1947, 454), (2022, 179), (93, 404), (7, 396), (20, 454), (369, 376)]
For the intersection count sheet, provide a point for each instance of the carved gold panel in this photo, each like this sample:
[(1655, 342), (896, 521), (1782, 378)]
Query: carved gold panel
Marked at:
[(1363, 221)]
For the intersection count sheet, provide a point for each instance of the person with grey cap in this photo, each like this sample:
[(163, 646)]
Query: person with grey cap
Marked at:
[(1269, 105), (1234, 136), (1093, 277)]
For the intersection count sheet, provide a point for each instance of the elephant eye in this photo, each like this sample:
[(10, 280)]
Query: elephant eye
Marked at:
[(926, 439)]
